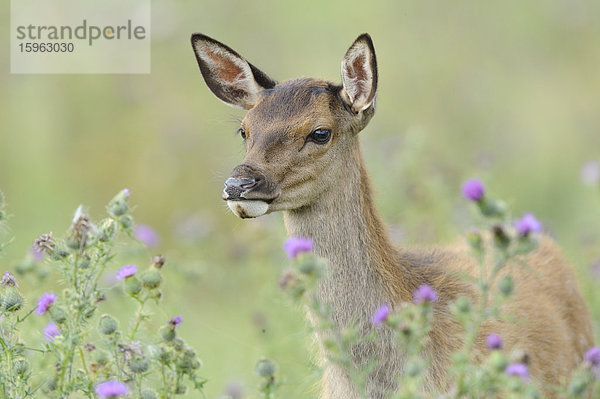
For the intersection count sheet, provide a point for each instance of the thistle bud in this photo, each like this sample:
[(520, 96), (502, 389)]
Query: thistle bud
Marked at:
[(45, 243), (119, 205), (578, 386), (178, 344), (126, 221), (107, 230), (297, 290), (155, 294), (265, 368), (498, 361), (100, 357), (84, 261), (186, 364), (167, 333), (8, 280), (73, 242), (133, 285), (59, 253), (189, 360), (139, 364), (286, 279), (526, 244), (196, 364), (162, 354), (58, 314), (12, 300), (501, 239), (307, 266), (158, 261), (492, 208), (107, 324), (151, 278), (514, 385), (20, 366), (189, 353)]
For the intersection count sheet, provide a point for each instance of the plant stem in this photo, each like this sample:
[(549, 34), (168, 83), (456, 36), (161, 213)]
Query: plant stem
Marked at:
[(63, 369), (138, 319), (87, 373)]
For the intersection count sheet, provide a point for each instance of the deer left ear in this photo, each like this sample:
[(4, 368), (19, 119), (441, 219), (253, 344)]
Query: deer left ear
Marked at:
[(359, 74)]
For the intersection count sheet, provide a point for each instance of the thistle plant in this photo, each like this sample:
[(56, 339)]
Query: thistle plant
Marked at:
[(94, 355), (265, 369), (500, 241)]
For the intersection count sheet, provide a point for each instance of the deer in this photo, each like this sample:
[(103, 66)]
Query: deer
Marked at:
[(303, 158)]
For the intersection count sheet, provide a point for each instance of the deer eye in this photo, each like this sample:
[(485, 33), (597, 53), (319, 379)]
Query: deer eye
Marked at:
[(320, 136), (242, 133)]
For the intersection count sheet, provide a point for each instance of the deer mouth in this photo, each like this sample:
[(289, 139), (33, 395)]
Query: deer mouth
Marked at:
[(249, 192), (246, 209), (244, 206)]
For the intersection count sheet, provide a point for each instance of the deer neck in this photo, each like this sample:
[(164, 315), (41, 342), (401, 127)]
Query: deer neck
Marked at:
[(347, 231)]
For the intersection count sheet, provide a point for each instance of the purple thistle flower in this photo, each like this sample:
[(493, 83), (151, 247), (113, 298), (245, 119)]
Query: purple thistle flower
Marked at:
[(126, 271), (175, 321), (8, 280), (425, 294), (50, 331), (297, 245), (234, 390), (147, 235), (473, 189), (518, 370), (381, 315), (590, 173), (111, 389), (126, 192), (593, 356), (36, 254), (493, 341), (45, 301), (595, 268), (528, 224)]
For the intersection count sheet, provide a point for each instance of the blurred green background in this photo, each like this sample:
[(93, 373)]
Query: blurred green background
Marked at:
[(504, 91)]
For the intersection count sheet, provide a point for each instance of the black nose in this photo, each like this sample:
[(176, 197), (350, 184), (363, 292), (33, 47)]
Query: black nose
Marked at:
[(236, 187)]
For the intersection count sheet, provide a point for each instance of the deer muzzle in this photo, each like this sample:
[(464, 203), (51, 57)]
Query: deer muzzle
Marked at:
[(248, 192)]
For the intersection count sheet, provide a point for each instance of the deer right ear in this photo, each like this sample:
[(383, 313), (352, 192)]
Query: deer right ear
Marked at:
[(359, 74), (228, 75)]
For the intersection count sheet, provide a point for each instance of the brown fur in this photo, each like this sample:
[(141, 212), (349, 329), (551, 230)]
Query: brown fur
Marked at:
[(325, 194)]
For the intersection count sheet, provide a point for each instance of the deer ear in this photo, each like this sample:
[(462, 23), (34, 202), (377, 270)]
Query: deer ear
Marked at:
[(359, 74), (228, 75)]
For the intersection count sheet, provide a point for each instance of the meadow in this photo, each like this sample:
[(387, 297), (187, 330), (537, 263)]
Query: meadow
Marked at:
[(504, 92)]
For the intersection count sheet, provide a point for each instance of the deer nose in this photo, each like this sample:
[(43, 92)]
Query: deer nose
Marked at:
[(236, 187)]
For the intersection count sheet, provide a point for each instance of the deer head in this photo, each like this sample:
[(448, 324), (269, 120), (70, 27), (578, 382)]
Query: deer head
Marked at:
[(296, 133)]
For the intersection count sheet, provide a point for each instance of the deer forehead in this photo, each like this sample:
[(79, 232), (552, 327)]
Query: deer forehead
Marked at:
[(295, 107)]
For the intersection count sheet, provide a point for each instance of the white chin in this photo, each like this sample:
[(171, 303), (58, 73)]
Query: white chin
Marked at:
[(248, 208)]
